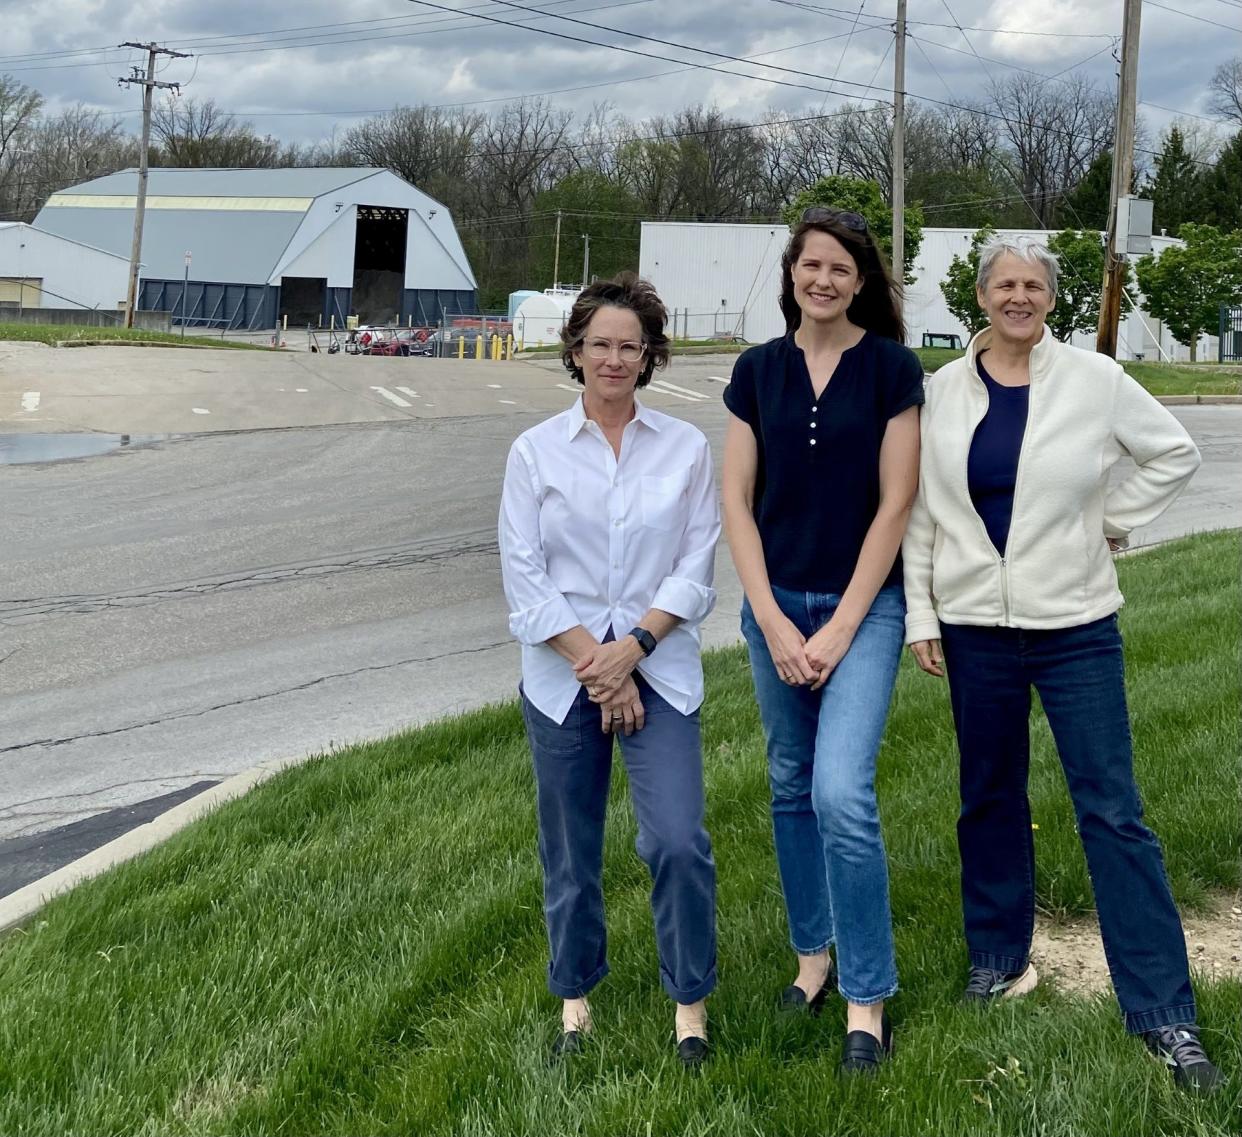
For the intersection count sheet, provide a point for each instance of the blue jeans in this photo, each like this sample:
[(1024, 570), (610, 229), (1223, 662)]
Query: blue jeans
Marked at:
[(1080, 677), (664, 761), (822, 748)]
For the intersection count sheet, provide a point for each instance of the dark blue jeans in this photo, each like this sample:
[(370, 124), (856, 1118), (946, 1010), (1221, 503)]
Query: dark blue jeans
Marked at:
[(1080, 678), (664, 761)]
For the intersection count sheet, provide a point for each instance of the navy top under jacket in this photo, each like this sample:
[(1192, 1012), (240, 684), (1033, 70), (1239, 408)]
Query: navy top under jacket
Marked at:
[(992, 467), (817, 488)]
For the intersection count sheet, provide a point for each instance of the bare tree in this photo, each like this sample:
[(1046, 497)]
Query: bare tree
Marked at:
[(19, 112), (1226, 88), (1054, 132), (193, 133), (427, 146)]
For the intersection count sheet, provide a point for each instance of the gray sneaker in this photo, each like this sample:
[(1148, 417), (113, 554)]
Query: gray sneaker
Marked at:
[(1179, 1048), (984, 984)]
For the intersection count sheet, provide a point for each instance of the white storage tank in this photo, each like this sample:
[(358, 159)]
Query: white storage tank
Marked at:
[(539, 318)]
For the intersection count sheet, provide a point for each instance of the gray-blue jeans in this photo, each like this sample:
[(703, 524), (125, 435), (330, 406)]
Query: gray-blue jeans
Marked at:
[(664, 761)]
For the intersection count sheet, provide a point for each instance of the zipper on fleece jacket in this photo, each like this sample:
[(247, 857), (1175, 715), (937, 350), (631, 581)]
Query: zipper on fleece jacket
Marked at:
[(1017, 485)]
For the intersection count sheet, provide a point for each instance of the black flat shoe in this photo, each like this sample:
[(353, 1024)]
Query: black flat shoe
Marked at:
[(693, 1052), (863, 1053), (567, 1044), (795, 1002)]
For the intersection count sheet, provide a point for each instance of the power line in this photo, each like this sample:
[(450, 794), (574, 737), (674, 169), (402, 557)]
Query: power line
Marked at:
[(1192, 16), (839, 14)]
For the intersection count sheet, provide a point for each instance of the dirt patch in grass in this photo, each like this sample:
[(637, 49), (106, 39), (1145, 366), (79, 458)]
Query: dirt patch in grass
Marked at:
[(1072, 957)]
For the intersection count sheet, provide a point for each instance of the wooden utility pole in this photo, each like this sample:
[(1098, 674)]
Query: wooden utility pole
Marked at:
[(148, 83), (556, 260), (899, 148), (1123, 174), (586, 259)]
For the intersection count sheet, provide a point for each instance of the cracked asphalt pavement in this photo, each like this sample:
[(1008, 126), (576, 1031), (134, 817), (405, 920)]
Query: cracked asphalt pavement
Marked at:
[(177, 613)]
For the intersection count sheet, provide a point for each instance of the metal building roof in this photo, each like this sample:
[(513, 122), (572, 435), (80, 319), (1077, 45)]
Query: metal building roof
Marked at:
[(310, 181), (238, 224)]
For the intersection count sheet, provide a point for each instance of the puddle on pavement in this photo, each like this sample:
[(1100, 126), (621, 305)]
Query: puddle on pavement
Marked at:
[(19, 449)]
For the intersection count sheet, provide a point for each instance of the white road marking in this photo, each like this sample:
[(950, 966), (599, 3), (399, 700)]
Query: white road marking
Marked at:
[(407, 391), (665, 385), (655, 386), (508, 402), (200, 410), (30, 401), (301, 390), (396, 400), (567, 387), (429, 404), (495, 386), (718, 379)]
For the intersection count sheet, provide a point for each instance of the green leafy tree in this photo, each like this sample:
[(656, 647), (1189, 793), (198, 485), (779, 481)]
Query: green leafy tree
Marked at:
[(1186, 285), (1222, 187), (854, 195), (958, 285), (592, 205), (1080, 257), (1176, 187)]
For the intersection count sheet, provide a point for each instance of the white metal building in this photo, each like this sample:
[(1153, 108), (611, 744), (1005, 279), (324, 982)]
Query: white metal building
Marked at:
[(728, 277), (44, 270), (309, 244)]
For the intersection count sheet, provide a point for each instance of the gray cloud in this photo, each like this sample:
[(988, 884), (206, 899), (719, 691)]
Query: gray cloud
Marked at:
[(298, 81)]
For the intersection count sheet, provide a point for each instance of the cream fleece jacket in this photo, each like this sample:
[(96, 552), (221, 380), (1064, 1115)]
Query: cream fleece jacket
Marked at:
[(1085, 412)]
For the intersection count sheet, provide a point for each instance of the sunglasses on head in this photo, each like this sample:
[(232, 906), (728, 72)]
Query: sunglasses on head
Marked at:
[(820, 213)]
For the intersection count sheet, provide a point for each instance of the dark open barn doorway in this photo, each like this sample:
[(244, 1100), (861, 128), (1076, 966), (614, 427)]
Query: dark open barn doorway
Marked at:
[(302, 299), (379, 263)]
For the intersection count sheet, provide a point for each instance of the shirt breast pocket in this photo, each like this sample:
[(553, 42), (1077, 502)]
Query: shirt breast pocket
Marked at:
[(661, 500)]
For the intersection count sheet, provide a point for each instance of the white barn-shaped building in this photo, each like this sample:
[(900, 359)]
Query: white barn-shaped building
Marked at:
[(309, 244)]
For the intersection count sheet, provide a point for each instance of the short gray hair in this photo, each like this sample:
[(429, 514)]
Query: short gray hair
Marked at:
[(1025, 248)]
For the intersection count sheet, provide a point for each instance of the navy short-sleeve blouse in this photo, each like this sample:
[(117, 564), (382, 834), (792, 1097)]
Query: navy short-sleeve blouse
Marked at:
[(818, 484)]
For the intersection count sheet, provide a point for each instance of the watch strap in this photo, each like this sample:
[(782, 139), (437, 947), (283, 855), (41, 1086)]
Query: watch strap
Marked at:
[(645, 639)]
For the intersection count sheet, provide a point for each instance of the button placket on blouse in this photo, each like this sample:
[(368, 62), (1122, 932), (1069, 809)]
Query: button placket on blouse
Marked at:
[(814, 418)]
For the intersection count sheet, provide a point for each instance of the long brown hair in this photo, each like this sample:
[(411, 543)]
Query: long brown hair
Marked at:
[(877, 307)]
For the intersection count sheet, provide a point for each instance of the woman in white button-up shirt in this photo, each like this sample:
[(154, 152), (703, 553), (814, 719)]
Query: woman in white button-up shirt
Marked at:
[(608, 530)]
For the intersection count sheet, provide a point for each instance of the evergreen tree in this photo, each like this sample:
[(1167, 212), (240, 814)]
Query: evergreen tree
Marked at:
[(1176, 187), (1086, 205), (1222, 188)]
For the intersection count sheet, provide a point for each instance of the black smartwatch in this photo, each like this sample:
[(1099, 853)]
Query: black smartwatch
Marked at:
[(645, 639)]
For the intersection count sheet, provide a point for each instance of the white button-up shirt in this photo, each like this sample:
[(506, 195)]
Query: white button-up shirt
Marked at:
[(587, 538)]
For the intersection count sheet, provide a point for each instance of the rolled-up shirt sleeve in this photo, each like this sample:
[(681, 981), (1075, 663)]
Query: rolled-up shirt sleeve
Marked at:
[(687, 590), (538, 610)]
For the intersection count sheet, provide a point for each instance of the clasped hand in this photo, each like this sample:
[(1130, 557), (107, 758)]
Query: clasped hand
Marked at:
[(804, 662), (607, 675)]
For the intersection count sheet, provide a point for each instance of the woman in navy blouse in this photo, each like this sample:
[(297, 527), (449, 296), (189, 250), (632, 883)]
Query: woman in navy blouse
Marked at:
[(820, 473)]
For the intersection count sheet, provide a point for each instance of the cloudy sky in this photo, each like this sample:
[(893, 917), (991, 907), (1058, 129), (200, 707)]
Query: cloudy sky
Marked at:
[(299, 70)]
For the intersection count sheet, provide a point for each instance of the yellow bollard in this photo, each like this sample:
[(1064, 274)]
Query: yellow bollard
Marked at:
[(461, 347), (509, 346), (495, 347), (478, 346)]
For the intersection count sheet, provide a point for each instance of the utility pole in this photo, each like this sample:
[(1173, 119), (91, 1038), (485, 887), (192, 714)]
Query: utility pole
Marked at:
[(147, 81), (899, 148), (556, 262), (1123, 174), (586, 259)]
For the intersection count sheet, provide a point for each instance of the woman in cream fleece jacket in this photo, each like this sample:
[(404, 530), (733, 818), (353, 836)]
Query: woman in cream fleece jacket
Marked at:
[(1010, 584)]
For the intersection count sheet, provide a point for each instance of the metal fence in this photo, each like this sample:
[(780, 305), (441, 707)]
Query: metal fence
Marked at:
[(1230, 350), (718, 325)]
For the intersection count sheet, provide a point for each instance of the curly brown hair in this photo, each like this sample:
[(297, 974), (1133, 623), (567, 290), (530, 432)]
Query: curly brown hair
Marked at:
[(627, 290)]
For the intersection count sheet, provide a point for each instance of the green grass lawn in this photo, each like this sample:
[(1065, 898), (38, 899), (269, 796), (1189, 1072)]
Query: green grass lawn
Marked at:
[(1187, 378), (67, 333), (358, 947), (1158, 378)]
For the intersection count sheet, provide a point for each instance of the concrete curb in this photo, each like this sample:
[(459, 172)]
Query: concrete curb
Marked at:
[(25, 902), (1199, 400), (227, 345)]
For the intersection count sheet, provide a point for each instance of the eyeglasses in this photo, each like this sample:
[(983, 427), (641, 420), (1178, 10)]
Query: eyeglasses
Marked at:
[(819, 213), (628, 351)]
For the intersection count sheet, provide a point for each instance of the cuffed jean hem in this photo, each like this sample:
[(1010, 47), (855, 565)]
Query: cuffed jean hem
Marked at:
[(1151, 1020), (868, 1000), (690, 994), (812, 950), (578, 991), (1009, 964)]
